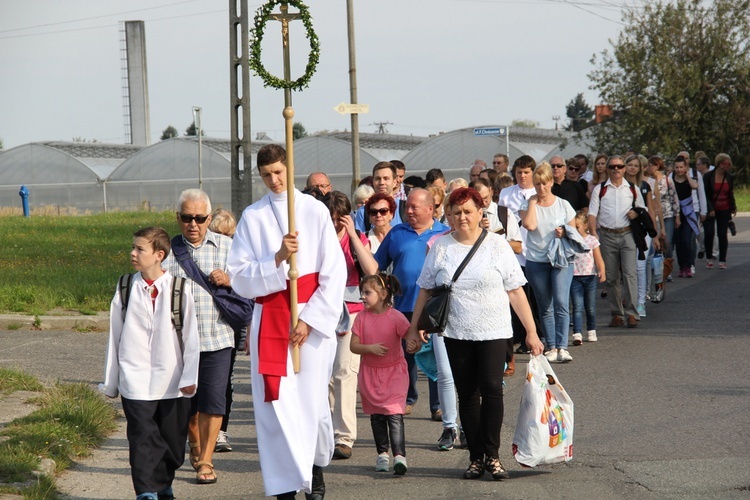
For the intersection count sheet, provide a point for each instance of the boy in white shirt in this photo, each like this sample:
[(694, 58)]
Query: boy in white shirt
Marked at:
[(153, 369)]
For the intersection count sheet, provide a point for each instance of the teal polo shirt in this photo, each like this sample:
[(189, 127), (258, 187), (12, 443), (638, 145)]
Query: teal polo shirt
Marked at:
[(406, 250)]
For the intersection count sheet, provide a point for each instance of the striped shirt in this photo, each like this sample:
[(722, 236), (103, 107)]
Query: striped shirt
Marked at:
[(211, 254)]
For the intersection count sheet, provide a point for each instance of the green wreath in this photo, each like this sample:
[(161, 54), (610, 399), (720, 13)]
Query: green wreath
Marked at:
[(261, 17)]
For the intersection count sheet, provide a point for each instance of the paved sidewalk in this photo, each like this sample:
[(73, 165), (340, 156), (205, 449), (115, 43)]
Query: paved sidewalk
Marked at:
[(661, 412)]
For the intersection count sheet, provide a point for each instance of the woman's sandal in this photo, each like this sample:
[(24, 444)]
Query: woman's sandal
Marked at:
[(475, 470), (494, 467), (195, 453), (207, 477)]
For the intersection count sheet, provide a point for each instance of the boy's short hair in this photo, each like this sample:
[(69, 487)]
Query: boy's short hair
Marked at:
[(157, 236)]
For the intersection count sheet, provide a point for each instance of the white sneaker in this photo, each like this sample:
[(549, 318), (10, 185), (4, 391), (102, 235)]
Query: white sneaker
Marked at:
[(591, 336), (641, 308), (222, 443), (577, 339), (551, 355), (399, 465), (563, 356), (383, 463)]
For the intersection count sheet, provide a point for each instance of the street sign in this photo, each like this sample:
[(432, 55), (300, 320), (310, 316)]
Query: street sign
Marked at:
[(498, 131), (350, 109)]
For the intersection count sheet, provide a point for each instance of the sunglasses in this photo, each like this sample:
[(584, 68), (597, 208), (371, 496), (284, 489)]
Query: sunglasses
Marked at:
[(618, 167), (574, 169), (557, 165), (379, 211), (187, 219)]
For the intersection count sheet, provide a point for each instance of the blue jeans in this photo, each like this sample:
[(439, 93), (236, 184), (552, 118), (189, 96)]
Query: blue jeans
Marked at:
[(551, 288), (583, 295), (445, 385)]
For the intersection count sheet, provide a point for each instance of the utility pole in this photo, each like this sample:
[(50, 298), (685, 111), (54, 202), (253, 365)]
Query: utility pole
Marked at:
[(556, 118), (353, 94), (239, 104)]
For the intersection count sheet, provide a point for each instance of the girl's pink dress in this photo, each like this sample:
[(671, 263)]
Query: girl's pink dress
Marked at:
[(383, 380)]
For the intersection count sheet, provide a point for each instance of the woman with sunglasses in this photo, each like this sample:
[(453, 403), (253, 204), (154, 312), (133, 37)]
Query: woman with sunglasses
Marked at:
[(380, 209)]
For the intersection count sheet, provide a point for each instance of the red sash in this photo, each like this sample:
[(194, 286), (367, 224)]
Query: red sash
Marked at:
[(273, 332)]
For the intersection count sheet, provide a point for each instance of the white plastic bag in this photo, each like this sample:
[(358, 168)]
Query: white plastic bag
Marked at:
[(544, 430)]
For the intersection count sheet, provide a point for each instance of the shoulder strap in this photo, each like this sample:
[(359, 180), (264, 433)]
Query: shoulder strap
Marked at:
[(178, 290), (469, 255), (633, 192), (502, 214), (124, 284), (401, 209), (354, 254), (602, 189)]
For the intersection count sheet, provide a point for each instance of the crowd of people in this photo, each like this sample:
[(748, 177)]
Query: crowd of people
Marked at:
[(523, 250)]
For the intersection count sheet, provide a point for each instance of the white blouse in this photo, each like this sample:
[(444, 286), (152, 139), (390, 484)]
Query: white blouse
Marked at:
[(479, 308)]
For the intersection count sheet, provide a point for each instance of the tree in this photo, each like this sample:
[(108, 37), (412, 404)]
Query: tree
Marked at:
[(191, 131), (524, 123), (579, 112), (298, 131), (677, 78), (170, 132)]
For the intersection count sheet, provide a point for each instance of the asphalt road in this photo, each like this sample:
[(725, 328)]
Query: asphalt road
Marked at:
[(662, 411)]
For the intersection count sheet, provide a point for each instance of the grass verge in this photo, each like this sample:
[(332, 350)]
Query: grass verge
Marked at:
[(71, 420), (68, 262)]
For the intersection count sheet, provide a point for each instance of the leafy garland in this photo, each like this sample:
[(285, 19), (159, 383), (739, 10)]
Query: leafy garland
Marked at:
[(261, 17)]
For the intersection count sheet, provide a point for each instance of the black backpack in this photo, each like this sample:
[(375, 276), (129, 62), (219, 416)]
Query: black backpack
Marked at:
[(178, 290)]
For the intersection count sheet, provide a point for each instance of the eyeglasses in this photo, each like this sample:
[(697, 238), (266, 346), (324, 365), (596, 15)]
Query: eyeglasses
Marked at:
[(574, 169), (497, 163), (187, 219), (557, 165), (379, 211), (321, 186), (618, 167)]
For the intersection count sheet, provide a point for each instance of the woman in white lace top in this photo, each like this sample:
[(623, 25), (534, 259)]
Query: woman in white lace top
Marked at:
[(478, 324)]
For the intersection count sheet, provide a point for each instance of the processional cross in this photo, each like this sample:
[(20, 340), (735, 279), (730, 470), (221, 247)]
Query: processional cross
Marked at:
[(264, 13)]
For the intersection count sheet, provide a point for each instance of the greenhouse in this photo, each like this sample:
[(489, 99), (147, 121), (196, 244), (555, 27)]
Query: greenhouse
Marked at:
[(91, 177)]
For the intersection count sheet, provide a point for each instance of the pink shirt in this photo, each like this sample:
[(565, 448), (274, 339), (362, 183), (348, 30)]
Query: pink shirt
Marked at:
[(352, 274)]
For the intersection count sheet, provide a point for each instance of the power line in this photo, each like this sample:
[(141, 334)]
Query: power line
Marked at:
[(110, 25), (94, 17)]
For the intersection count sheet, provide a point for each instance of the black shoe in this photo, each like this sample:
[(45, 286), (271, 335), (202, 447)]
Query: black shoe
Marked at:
[(495, 467), (318, 485), (522, 349), (291, 495), (701, 255), (475, 470)]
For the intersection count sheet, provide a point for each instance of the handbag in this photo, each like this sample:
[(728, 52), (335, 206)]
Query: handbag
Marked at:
[(544, 429), (434, 315), (236, 310)]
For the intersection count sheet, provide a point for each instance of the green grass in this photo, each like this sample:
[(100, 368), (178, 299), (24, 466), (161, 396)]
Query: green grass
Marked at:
[(16, 380), (68, 262), (742, 197), (70, 421)]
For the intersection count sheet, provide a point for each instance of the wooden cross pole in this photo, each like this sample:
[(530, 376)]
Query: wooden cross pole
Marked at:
[(288, 114)]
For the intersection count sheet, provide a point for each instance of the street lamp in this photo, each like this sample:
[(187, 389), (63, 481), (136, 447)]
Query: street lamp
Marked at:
[(197, 122)]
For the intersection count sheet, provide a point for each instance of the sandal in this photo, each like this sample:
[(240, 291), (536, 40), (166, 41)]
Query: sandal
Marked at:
[(495, 467), (475, 470), (195, 453), (208, 477)]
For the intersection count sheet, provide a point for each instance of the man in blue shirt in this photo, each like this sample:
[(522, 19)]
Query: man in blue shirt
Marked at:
[(383, 181), (405, 246)]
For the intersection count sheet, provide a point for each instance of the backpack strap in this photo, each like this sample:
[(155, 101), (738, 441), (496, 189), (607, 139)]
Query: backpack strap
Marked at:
[(178, 290), (603, 189), (124, 284), (401, 209)]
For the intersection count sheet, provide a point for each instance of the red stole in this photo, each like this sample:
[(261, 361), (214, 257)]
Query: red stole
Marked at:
[(273, 332)]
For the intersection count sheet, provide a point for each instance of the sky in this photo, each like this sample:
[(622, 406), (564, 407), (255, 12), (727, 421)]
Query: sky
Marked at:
[(423, 66)]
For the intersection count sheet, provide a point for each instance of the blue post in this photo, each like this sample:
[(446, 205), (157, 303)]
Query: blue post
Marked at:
[(24, 194)]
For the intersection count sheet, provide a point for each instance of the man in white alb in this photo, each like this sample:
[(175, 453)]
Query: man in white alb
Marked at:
[(293, 419)]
